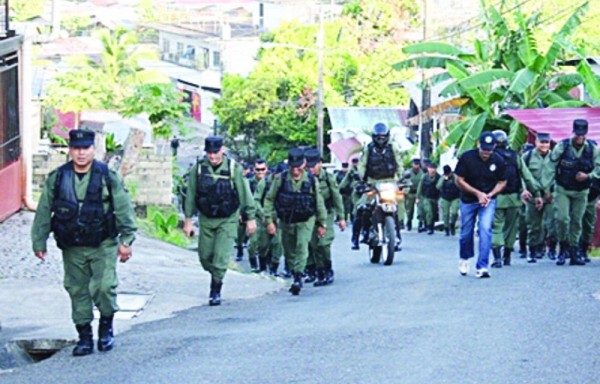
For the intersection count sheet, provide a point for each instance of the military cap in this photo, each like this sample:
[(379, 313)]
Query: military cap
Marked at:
[(345, 165), (447, 170), (312, 157), (81, 138), (295, 157), (431, 164), (543, 136), (580, 127), (281, 167), (355, 160), (213, 144), (487, 141), (416, 161)]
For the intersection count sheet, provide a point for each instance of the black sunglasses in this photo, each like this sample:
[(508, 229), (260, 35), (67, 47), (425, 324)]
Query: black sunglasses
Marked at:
[(260, 169)]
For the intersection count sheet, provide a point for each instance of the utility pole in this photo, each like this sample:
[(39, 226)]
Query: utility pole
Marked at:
[(320, 111), (424, 129)]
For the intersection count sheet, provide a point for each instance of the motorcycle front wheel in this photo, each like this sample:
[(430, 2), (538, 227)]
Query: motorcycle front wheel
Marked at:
[(385, 252)]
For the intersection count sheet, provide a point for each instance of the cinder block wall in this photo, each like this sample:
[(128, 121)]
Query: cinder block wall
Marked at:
[(149, 183)]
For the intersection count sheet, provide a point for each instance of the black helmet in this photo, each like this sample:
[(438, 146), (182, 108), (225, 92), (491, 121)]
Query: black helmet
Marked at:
[(381, 134), (501, 138)]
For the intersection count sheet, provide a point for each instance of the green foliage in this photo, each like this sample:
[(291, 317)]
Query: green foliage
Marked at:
[(23, 10), (58, 140), (76, 24), (506, 71), (274, 108), (111, 145), (161, 102), (164, 225)]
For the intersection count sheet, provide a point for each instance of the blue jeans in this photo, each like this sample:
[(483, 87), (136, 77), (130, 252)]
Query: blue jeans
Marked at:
[(485, 215)]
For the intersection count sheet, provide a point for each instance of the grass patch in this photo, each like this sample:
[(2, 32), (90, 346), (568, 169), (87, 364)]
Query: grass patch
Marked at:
[(163, 224)]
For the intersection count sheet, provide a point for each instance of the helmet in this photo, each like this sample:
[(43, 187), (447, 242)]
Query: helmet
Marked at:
[(501, 138), (381, 133)]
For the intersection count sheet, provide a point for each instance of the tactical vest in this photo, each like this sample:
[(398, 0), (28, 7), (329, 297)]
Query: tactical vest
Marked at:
[(513, 176), (329, 200), (216, 195), (569, 165), (82, 224), (295, 207), (449, 190), (268, 182), (429, 190), (381, 163)]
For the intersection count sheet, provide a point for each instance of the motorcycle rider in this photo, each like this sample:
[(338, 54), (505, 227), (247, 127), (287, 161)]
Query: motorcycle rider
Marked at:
[(381, 160)]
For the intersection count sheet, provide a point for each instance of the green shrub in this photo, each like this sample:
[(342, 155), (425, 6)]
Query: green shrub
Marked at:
[(164, 225)]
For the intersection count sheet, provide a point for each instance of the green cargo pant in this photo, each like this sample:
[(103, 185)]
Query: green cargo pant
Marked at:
[(429, 210), (215, 243), (570, 207), (295, 239), (505, 227), (449, 212), (320, 249), (537, 223), (91, 279), (588, 222), (268, 247), (409, 206)]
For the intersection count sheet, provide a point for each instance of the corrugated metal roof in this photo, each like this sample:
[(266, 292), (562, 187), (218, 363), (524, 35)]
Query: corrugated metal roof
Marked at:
[(558, 122)]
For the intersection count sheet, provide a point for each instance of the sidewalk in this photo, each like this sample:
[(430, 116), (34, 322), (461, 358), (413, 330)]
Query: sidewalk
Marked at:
[(157, 282)]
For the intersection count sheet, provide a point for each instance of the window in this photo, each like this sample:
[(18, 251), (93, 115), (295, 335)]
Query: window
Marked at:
[(216, 59), (179, 49), (9, 110), (166, 46)]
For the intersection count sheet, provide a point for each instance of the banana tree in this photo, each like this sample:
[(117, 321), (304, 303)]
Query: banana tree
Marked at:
[(506, 70)]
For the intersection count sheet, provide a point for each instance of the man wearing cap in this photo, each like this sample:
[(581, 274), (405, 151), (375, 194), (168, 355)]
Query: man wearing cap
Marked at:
[(449, 200), (258, 260), (320, 247), (242, 238), (577, 163), (87, 208), (218, 190), (480, 176), (416, 173), (539, 203), (269, 247), (294, 200), (504, 230), (428, 195), (350, 182)]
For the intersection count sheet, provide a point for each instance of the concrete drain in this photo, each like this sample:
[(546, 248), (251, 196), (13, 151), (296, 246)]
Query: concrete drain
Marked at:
[(18, 353)]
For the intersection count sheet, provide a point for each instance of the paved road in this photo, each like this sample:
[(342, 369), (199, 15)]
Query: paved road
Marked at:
[(417, 321)]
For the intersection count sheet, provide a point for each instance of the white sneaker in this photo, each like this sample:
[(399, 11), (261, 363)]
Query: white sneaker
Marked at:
[(483, 273), (463, 266)]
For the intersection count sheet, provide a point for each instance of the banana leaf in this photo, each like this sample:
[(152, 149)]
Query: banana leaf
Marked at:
[(521, 80), (423, 62), (457, 70), (538, 64), (432, 47), (564, 83), (517, 135), (592, 84), (568, 27), (436, 79), (456, 131), (485, 77), (472, 132), (569, 104)]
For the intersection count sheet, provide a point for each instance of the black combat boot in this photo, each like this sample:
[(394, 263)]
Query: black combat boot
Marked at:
[(409, 225), (430, 229), (240, 253), (453, 226), (447, 231), (563, 252), (497, 257), (421, 227), (522, 247), (297, 284), (540, 251), (583, 250), (215, 293), (506, 256), (533, 250), (320, 278), (328, 272), (253, 263), (575, 256), (85, 345), (274, 268), (106, 338), (551, 249), (262, 264), (310, 272)]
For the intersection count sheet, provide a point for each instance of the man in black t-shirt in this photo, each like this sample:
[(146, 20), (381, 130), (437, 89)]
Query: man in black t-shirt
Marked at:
[(480, 176)]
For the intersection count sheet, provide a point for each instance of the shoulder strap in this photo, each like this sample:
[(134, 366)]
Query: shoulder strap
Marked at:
[(528, 157)]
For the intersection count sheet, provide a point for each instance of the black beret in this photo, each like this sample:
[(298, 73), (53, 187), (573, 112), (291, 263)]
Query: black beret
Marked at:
[(213, 143)]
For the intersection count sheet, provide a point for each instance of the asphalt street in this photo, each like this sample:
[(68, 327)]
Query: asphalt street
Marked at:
[(417, 321)]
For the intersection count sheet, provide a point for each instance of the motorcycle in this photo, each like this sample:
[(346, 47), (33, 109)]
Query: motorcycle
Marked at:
[(386, 195)]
